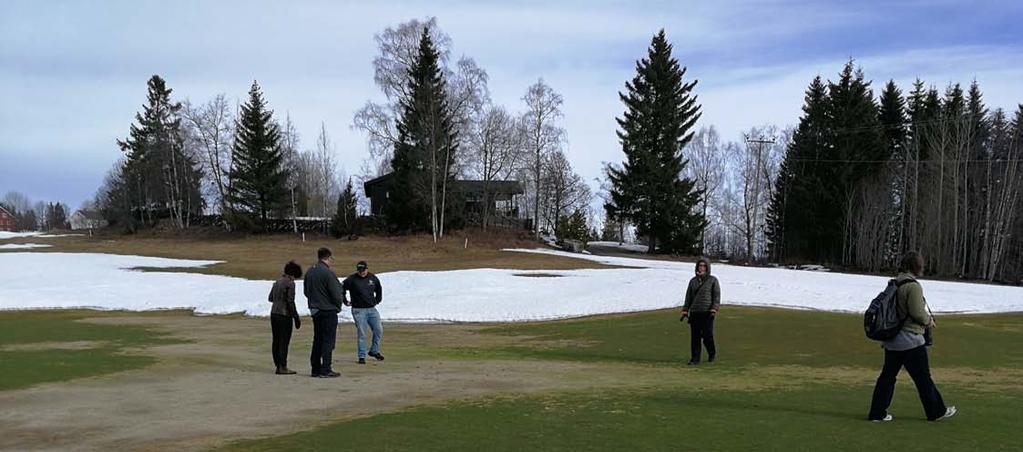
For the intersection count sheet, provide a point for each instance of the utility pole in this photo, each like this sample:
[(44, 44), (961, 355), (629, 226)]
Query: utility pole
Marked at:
[(759, 142)]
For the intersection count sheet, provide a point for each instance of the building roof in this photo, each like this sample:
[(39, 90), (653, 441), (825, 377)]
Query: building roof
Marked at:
[(4, 210), (475, 186), (89, 214)]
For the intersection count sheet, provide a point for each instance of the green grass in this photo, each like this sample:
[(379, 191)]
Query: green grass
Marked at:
[(806, 417), (758, 336), (818, 403), (31, 347)]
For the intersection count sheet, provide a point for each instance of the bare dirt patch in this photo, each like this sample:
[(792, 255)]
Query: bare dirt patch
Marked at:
[(219, 386), (40, 346), (263, 257)]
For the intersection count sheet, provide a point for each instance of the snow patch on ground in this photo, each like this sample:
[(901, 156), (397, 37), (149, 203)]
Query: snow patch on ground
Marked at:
[(22, 246), (780, 287), (70, 280), (4, 235)]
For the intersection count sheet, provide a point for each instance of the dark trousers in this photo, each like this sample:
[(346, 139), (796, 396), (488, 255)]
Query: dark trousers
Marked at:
[(324, 338), (916, 363), (280, 325), (701, 327)]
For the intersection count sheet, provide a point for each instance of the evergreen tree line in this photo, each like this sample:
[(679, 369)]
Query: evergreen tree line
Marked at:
[(182, 160), (864, 180), (38, 216)]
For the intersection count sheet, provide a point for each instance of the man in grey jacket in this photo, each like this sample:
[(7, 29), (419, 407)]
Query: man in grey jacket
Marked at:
[(703, 298), (325, 295)]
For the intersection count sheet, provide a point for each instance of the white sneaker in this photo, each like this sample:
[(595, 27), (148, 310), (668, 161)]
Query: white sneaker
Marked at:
[(949, 412), (886, 418)]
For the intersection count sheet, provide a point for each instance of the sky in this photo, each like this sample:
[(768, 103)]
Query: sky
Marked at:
[(73, 74)]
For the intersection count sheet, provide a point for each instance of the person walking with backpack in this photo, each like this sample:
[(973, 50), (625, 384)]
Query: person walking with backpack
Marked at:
[(908, 348), (703, 298), (282, 314), (324, 293), (367, 293)]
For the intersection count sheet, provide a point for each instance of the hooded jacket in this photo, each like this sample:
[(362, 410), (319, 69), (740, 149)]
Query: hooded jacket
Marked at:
[(703, 293)]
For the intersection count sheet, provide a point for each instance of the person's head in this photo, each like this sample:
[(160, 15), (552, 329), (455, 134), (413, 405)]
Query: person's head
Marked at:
[(702, 267), (293, 270), (912, 262), (325, 256), (362, 268)]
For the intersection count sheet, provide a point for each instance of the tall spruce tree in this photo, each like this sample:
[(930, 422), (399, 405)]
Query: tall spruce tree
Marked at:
[(793, 217), (160, 177), (892, 116), (258, 180), (648, 189), (424, 156), (858, 150)]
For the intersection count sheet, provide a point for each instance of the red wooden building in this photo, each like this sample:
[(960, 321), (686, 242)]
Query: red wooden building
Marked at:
[(7, 221)]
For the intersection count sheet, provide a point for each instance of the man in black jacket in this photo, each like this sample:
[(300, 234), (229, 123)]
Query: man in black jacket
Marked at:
[(366, 294), (703, 299), (325, 295)]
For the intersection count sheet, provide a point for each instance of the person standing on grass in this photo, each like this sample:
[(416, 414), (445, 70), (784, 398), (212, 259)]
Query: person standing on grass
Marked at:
[(909, 348), (282, 314), (325, 295), (367, 293), (703, 298)]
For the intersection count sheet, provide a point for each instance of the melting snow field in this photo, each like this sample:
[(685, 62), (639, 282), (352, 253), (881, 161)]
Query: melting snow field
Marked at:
[(22, 246), (69, 280)]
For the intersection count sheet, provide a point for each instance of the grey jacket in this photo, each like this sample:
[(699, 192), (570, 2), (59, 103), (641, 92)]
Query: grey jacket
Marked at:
[(282, 295), (322, 289), (703, 293)]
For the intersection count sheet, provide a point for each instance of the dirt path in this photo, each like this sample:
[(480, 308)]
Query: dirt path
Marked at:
[(219, 387)]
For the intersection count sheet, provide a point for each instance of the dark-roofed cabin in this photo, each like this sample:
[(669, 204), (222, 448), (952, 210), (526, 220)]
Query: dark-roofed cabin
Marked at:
[(503, 196)]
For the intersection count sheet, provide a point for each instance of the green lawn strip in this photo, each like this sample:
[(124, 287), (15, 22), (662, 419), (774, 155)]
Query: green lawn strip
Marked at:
[(802, 417), (31, 347), (758, 336)]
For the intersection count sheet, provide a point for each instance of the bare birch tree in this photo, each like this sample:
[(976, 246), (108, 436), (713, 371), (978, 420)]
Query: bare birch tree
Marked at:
[(544, 135)]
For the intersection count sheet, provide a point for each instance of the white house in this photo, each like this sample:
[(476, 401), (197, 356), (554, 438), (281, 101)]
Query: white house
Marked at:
[(87, 219)]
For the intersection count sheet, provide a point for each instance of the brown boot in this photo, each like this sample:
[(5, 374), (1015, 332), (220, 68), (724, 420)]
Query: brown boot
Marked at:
[(285, 371)]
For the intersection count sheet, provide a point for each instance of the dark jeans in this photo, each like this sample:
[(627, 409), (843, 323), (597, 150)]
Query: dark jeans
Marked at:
[(324, 338), (919, 370), (280, 325), (701, 326)]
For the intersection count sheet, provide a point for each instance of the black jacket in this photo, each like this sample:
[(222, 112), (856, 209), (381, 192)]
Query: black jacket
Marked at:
[(366, 292), (322, 289)]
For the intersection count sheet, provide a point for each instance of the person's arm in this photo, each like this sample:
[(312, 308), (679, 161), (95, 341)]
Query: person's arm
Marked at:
[(346, 286), (378, 290), (689, 298), (715, 297), (916, 308), (337, 293), (289, 297)]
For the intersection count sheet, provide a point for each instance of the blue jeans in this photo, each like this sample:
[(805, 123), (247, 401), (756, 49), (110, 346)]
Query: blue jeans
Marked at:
[(367, 318)]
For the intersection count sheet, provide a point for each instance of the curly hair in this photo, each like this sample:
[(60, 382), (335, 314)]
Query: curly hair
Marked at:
[(292, 269)]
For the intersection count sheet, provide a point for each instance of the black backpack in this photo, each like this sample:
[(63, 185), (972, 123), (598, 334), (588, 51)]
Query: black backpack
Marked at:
[(881, 322)]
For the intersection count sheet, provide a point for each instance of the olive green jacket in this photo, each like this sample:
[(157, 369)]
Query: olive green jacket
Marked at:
[(911, 305)]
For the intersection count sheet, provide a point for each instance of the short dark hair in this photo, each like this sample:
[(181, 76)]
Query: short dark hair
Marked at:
[(912, 262), (292, 269), (323, 253)]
